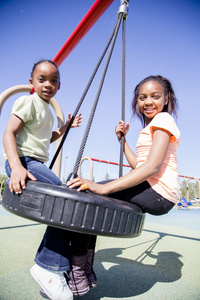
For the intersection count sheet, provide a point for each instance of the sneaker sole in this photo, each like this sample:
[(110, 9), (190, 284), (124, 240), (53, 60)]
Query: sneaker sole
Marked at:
[(93, 285), (43, 294)]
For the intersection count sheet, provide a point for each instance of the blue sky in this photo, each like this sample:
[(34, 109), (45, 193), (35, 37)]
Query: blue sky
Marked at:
[(162, 38)]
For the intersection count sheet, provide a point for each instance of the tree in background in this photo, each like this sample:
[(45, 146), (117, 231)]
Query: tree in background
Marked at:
[(193, 188), (3, 179)]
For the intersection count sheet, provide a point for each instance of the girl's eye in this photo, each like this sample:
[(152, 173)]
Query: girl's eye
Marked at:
[(41, 80), (141, 98)]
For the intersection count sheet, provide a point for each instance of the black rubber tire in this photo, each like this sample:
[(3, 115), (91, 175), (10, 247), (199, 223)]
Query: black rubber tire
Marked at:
[(83, 212)]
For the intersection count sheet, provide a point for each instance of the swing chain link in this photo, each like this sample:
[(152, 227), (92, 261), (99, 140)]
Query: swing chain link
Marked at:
[(123, 9)]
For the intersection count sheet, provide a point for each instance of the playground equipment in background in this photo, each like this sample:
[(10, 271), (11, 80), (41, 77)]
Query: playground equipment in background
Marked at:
[(91, 160), (187, 184), (128, 166), (183, 203)]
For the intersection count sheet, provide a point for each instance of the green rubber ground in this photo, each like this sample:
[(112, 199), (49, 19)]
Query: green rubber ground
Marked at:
[(162, 264)]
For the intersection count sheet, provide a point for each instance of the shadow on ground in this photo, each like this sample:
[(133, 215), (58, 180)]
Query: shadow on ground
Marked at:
[(127, 278)]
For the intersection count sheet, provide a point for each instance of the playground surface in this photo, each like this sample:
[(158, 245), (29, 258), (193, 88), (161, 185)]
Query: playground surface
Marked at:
[(162, 263)]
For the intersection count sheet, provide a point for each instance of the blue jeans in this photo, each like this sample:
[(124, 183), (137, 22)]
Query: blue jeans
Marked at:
[(53, 252)]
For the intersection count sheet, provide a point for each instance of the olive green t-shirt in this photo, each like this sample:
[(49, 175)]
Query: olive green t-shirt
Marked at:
[(33, 139)]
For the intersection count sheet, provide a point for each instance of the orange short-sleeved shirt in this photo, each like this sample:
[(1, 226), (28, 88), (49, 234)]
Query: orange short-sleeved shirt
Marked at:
[(165, 183)]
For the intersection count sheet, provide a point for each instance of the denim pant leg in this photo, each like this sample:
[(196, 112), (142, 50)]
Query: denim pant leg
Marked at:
[(53, 252)]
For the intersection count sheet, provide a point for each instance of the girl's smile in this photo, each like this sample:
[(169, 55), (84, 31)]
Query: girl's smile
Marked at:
[(151, 99)]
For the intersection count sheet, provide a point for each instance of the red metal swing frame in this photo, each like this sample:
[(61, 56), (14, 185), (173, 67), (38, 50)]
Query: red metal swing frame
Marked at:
[(93, 14)]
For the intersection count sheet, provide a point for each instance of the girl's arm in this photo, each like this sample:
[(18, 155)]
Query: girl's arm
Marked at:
[(152, 166), (18, 172), (130, 155), (60, 131)]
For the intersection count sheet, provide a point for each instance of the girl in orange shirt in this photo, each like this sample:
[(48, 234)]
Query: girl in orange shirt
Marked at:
[(153, 183)]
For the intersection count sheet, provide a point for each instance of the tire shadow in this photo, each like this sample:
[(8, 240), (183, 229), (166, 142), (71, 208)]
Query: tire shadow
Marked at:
[(120, 277)]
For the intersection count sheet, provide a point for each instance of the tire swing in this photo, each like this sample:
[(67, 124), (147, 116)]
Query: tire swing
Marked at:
[(83, 212)]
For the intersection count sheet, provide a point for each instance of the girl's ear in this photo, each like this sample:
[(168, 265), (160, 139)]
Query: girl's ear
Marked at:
[(32, 91), (59, 85), (31, 82), (166, 100)]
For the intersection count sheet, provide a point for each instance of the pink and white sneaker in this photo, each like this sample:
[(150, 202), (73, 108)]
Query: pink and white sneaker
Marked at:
[(53, 284)]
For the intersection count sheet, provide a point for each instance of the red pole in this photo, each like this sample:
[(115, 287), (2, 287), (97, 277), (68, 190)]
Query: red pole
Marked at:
[(117, 164), (108, 162), (94, 13)]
